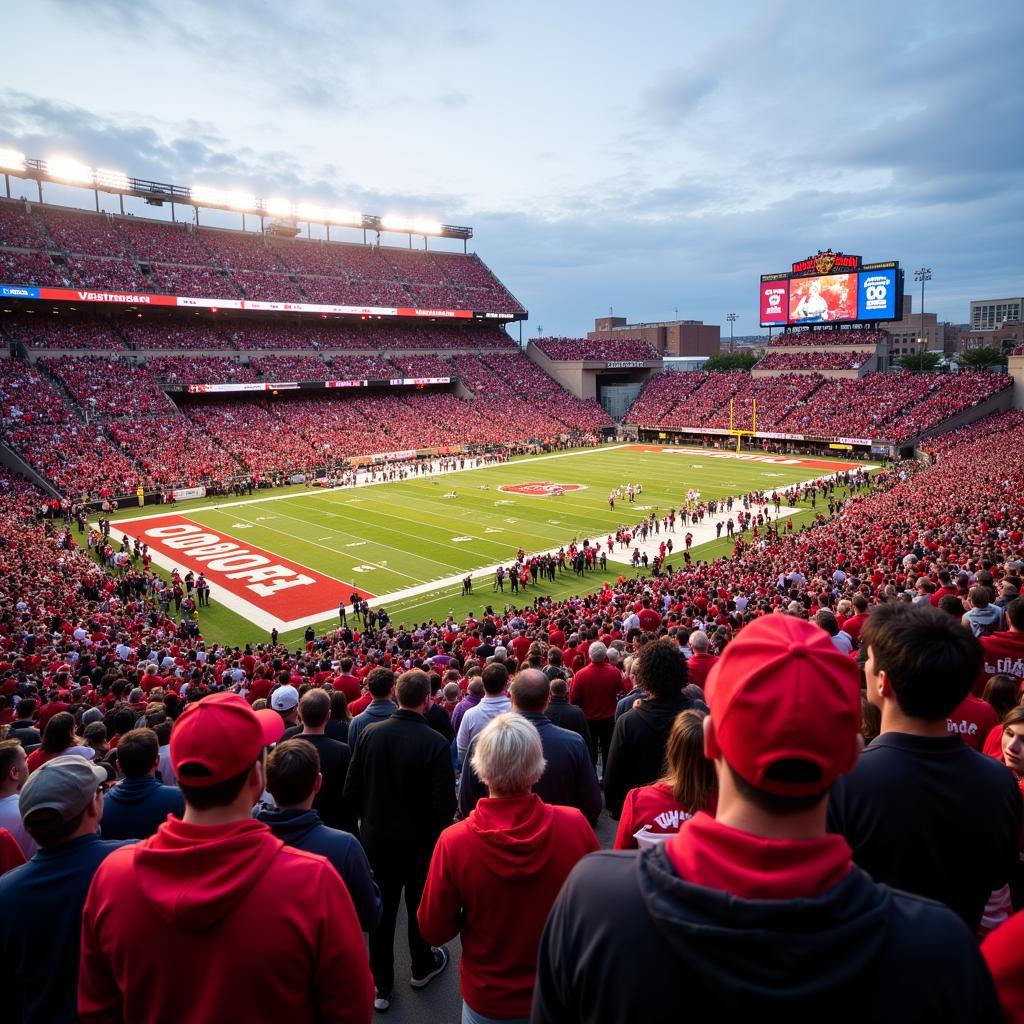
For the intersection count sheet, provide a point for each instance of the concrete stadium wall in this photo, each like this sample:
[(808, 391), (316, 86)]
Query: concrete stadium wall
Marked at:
[(1015, 368), (17, 465)]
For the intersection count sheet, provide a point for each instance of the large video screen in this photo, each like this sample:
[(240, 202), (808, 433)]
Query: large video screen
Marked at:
[(819, 300), (871, 292), (774, 303), (876, 294)]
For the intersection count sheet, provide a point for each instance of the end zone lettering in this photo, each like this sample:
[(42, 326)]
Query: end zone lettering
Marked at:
[(235, 561), (259, 584)]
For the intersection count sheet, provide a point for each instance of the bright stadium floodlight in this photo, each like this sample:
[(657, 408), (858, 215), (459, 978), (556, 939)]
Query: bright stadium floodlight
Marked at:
[(241, 201), (278, 207), (394, 223), (310, 212), (336, 215), (209, 196), (12, 160), (70, 170), (426, 227), (117, 180)]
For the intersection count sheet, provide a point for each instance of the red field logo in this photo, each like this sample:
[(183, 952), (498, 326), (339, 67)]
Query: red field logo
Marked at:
[(541, 488)]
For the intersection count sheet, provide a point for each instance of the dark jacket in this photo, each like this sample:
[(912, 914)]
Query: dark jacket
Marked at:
[(401, 784), (637, 754), (569, 778), (136, 808), (932, 816), (860, 952), (330, 803), (569, 716), (376, 711), (305, 831), (440, 722), (40, 930)]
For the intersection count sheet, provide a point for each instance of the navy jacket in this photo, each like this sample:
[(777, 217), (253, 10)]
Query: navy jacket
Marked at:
[(629, 940), (305, 831), (569, 778), (637, 754), (932, 816), (136, 808), (40, 930), (376, 711)]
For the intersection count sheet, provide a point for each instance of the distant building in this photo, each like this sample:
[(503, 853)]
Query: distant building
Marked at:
[(988, 314), (669, 337)]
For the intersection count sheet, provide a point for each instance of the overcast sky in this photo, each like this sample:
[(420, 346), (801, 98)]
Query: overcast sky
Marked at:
[(649, 157)]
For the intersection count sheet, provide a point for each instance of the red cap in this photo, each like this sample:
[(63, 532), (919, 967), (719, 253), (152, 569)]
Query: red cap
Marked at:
[(779, 692), (221, 736)]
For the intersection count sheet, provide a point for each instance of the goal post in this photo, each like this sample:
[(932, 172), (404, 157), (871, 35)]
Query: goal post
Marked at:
[(740, 432)]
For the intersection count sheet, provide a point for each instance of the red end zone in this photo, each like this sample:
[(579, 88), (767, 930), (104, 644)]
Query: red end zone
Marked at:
[(717, 453), (261, 581)]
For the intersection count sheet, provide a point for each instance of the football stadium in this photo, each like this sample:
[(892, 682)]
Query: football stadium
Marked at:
[(367, 649)]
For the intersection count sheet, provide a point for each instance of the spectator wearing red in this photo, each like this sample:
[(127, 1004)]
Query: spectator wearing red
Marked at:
[(596, 688), (763, 876), (206, 884), (1004, 651), (650, 814), (701, 662), (637, 753), (494, 876)]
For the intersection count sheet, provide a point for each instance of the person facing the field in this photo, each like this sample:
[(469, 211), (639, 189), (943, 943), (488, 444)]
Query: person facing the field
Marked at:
[(207, 884), (759, 911), (494, 876)]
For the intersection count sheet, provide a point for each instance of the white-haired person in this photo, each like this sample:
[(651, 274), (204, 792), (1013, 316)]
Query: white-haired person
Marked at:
[(494, 876)]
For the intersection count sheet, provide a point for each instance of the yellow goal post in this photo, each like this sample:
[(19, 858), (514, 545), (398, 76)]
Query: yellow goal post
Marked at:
[(740, 432)]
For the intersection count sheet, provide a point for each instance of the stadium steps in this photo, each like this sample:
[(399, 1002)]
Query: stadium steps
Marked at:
[(14, 462)]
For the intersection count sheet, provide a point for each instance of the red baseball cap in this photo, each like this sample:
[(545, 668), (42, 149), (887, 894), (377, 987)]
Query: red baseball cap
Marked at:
[(781, 691), (219, 737)]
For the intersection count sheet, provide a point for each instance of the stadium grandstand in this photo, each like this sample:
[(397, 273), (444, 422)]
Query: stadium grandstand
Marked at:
[(164, 364)]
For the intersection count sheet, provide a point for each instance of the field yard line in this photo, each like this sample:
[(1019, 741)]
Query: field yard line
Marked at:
[(429, 501), (377, 483), (405, 519), (363, 537), (317, 544)]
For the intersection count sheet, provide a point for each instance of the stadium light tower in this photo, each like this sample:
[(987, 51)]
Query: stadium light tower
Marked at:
[(923, 274), (732, 320)]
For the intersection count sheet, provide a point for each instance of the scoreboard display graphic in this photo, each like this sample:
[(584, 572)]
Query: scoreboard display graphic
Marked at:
[(832, 288)]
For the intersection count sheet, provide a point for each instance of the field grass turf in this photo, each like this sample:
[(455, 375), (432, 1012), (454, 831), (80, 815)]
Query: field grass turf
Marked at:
[(387, 538)]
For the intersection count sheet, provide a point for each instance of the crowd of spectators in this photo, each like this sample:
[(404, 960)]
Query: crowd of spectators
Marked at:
[(80, 233), (17, 228), (206, 370), (597, 348), (826, 359), (895, 406), (206, 282), (34, 268), (175, 335), (828, 339), (62, 333), (98, 647), (110, 388), (181, 259)]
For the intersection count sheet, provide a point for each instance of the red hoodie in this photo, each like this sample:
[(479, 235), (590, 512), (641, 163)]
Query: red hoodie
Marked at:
[(493, 878), (172, 925), (1004, 654), (1002, 952)]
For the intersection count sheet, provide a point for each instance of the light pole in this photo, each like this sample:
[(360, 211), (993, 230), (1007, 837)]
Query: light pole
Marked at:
[(732, 320), (923, 274)]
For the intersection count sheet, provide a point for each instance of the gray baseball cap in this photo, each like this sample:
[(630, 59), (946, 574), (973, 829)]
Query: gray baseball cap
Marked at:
[(63, 784)]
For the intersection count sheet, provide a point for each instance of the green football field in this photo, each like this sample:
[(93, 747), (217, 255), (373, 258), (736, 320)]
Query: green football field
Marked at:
[(409, 543)]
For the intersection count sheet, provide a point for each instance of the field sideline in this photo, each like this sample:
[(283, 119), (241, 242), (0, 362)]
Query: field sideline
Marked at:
[(285, 560)]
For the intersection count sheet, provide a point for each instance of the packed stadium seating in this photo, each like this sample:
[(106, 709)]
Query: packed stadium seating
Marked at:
[(827, 359), (41, 332), (175, 335), (877, 405), (601, 348), (102, 251), (825, 339), (207, 370)]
